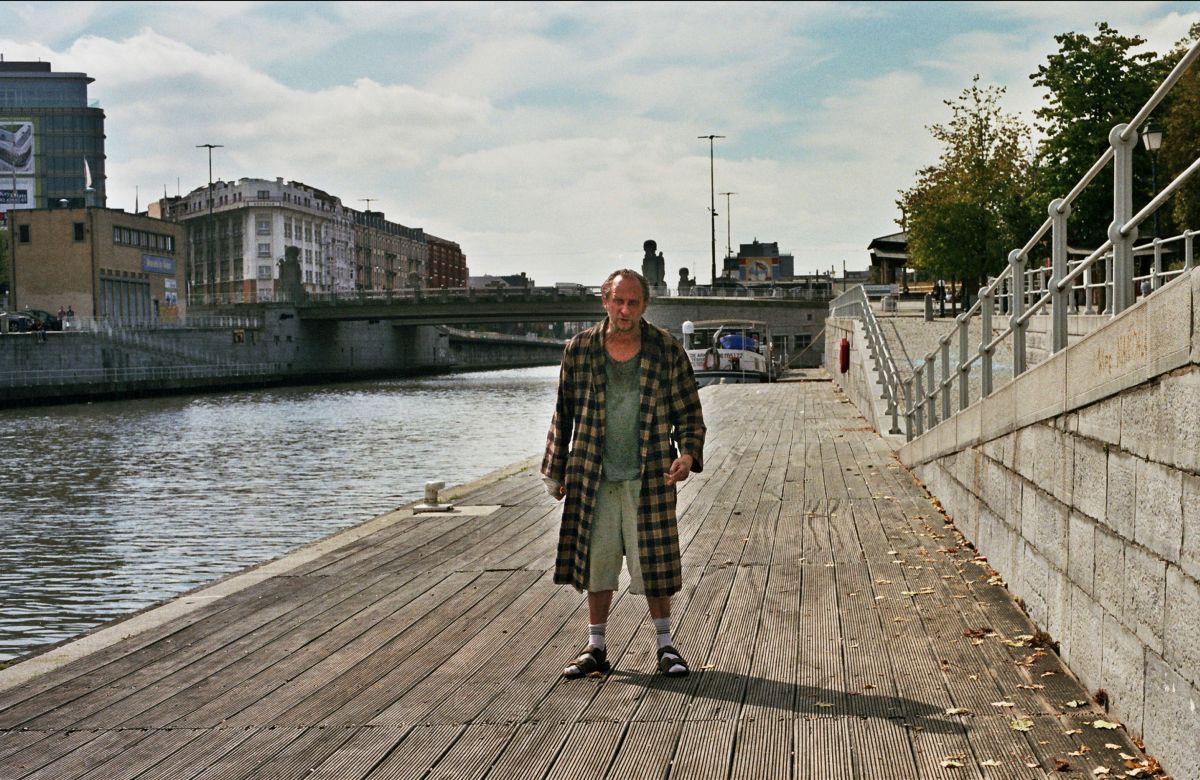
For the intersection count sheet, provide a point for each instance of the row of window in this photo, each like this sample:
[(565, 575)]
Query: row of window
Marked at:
[(143, 238)]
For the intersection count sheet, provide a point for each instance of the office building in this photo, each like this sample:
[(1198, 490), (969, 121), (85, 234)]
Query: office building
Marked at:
[(51, 139)]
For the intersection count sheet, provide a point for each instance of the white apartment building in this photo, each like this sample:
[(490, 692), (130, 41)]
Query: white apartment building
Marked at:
[(234, 246)]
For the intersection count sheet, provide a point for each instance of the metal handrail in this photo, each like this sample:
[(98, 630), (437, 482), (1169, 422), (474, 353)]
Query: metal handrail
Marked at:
[(854, 302), (1020, 293)]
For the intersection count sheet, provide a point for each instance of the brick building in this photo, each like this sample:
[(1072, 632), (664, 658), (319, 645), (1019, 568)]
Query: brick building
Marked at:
[(98, 262), (447, 266)]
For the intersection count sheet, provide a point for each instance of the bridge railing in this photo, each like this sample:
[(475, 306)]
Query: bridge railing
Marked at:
[(401, 296), (854, 303), (1021, 291)]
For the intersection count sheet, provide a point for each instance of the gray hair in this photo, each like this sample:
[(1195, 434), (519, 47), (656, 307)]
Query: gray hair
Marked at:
[(606, 288)]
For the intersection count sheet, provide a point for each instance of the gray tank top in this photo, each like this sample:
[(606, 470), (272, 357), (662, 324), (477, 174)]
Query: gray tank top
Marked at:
[(622, 407)]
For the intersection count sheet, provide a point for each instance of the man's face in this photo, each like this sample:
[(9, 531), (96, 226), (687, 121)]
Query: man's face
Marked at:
[(625, 304)]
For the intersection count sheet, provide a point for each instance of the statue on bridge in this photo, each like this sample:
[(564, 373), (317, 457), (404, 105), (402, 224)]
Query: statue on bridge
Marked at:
[(654, 267), (686, 283)]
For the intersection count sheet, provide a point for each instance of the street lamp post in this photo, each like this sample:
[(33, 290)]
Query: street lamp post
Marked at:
[(208, 240), (1152, 139), (712, 195), (728, 232)]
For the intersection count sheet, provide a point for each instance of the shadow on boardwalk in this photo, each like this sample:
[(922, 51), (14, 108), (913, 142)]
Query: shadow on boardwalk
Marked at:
[(791, 699)]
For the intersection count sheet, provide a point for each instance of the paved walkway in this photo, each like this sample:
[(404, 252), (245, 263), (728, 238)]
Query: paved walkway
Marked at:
[(837, 625)]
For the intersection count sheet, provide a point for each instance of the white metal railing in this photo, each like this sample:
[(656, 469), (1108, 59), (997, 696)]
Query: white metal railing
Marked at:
[(854, 303), (1106, 278)]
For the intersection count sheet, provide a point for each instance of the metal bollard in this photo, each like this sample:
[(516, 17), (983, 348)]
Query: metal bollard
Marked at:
[(431, 499), (928, 307)]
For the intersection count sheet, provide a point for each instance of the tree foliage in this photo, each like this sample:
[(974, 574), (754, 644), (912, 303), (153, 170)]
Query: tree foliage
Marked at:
[(967, 211), (1093, 84), (1181, 138)]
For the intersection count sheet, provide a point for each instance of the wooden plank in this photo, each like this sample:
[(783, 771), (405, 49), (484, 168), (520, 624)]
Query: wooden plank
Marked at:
[(588, 751)]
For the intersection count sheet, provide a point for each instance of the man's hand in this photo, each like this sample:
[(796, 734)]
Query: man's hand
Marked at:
[(680, 469), (554, 488)]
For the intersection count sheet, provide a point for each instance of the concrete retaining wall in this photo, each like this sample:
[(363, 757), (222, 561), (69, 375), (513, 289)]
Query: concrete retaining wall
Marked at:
[(283, 349), (1081, 483), (861, 383)]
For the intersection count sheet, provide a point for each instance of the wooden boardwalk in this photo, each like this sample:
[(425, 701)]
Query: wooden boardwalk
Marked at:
[(837, 625)]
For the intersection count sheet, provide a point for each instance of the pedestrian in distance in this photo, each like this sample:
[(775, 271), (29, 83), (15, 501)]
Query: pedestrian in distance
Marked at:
[(627, 428)]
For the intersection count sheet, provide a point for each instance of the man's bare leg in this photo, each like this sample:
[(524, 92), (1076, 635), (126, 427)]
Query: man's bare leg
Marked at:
[(598, 604)]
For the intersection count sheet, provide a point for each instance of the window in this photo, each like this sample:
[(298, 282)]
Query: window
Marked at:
[(23, 234), (287, 228), (263, 227), (264, 272), (264, 194), (78, 227), (264, 250)]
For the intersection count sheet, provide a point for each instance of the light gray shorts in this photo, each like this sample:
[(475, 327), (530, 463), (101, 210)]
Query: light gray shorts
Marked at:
[(614, 536)]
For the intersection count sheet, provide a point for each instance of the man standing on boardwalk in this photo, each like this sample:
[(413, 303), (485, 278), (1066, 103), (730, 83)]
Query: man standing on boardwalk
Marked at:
[(627, 428)]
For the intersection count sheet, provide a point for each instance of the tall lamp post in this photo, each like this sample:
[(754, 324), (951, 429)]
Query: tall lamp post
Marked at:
[(208, 240), (728, 232), (1152, 140), (712, 208)]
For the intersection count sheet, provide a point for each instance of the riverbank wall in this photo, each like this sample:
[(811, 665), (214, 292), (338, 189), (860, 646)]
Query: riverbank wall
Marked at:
[(276, 348), (1080, 483)]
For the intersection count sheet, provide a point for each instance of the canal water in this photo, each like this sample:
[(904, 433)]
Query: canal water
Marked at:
[(107, 508)]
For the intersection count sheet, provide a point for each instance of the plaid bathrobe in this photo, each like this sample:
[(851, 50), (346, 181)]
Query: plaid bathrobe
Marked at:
[(671, 423)]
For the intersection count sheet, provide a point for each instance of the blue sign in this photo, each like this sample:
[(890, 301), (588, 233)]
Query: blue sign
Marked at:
[(14, 197), (153, 264)]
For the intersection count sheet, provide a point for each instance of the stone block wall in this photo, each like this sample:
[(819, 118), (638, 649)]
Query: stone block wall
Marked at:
[(1081, 484)]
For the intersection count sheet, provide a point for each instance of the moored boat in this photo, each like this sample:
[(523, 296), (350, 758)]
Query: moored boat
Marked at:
[(730, 351)]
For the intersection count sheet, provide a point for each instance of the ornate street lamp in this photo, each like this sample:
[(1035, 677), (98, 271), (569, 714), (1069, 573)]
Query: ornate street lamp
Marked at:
[(1152, 139)]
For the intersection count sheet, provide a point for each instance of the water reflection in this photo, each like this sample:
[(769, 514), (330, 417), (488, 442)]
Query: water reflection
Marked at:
[(109, 507)]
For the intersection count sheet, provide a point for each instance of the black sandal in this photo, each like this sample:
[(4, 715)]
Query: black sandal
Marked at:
[(593, 660), (668, 658)]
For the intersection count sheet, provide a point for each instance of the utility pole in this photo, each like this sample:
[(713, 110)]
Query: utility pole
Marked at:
[(209, 270), (728, 232), (712, 198)]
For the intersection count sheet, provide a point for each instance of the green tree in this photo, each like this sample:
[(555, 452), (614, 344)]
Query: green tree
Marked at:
[(1093, 84), (1181, 138), (967, 211)]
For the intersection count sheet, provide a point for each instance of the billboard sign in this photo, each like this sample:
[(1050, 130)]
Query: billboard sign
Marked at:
[(153, 264), (17, 165), (16, 148)]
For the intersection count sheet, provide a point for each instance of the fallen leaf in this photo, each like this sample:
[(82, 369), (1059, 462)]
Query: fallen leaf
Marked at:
[(1073, 731), (1034, 687), (1049, 674), (1075, 703), (958, 711), (1128, 757), (1104, 724), (824, 704), (1083, 749), (1021, 724), (990, 762), (1112, 746), (1100, 770), (954, 761), (1061, 765), (1003, 704)]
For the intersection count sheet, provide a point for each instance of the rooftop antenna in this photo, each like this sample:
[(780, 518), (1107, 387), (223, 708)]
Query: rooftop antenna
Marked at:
[(368, 200)]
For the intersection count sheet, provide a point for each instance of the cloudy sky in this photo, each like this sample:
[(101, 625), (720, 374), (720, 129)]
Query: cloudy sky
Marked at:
[(554, 138)]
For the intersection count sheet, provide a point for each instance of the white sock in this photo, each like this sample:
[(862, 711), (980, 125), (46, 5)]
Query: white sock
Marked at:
[(662, 631), (596, 634)]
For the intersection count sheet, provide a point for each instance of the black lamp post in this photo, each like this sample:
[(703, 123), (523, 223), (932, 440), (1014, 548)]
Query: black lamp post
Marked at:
[(210, 265), (712, 200), (1152, 140)]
